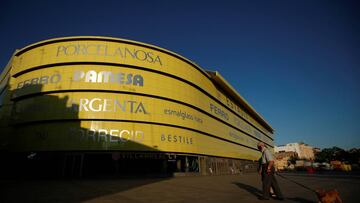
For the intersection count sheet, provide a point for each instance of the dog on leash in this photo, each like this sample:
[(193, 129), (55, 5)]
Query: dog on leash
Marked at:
[(328, 196)]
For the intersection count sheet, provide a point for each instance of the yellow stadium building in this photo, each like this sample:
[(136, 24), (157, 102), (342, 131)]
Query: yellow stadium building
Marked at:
[(85, 105)]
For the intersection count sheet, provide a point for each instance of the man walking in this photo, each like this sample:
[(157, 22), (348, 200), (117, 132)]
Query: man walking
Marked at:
[(267, 173)]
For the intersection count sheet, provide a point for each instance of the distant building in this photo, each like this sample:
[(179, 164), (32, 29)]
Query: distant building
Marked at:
[(316, 150), (303, 151), (282, 160)]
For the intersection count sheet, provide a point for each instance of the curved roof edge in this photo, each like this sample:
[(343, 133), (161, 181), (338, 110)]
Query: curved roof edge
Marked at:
[(218, 79), (7, 68), (110, 39)]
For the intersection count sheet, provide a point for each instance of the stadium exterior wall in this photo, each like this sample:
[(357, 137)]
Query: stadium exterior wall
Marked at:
[(100, 94)]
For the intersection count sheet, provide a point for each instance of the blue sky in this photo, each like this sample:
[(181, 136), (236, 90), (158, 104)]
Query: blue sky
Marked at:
[(296, 62)]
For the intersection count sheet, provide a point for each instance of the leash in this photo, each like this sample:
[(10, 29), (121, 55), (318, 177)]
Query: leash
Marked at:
[(304, 186)]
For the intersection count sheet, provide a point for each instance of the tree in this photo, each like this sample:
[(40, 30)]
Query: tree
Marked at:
[(335, 153), (354, 156)]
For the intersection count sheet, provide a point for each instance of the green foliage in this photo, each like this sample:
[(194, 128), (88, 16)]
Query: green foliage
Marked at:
[(335, 153)]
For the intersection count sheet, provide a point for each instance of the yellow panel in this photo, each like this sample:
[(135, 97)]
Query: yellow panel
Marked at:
[(122, 53), (95, 77), (105, 135), (107, 94), (97, 105)]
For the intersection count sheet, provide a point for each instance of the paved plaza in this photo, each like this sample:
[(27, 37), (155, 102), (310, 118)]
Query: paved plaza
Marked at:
[(230, 188)]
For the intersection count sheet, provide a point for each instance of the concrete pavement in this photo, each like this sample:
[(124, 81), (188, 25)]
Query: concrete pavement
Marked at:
[(231, 188)]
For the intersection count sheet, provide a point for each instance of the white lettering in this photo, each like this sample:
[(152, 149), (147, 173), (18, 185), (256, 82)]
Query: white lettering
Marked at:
[(78, 75), (102, 133), (107, 104), (83, 103), (91, 106), (107, 77), (113, 135), (91, 76), (122, 135)]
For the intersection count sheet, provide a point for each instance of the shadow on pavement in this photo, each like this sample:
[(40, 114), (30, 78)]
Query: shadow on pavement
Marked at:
[(300, 200), (254, 191), (258, 193), (69, 191)]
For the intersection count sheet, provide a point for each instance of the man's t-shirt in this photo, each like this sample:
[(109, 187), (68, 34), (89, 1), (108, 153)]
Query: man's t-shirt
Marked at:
[(266, 156)]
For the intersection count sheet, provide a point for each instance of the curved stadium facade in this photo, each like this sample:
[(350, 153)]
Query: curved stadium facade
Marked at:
[(126, 106)]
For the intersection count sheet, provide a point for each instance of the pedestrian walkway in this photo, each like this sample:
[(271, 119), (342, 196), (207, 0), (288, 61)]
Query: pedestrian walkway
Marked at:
[(217, 189)]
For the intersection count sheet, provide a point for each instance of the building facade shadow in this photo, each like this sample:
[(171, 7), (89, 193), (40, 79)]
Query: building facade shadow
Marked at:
[(252, 190), (39, 159), (45, 135)]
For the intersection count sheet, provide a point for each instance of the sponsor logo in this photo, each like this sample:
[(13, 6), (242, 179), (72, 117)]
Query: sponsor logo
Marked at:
[(236, 136), (111, 105), (42, 80), (183, 115), (108, 77), (87, 76), (42, 135), (179, 139), (218, 111), (109, 135), (108, 51), (139, 155)]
